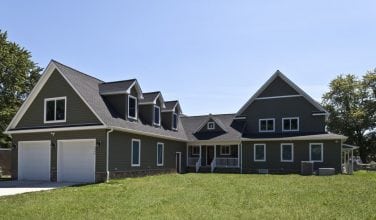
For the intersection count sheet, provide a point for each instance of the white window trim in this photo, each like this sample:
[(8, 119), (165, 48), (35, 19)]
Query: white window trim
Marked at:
[(266, 119), (139, 153), (322, 152), (211, 125), (223, 147), (160, 164), (45, 110), (193, 154), (174, 128), (159, 109), (136, 106), (254, 152), (292, 152), (283, 129)]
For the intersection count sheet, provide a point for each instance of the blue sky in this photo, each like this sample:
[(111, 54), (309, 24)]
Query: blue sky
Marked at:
[(211, 55)]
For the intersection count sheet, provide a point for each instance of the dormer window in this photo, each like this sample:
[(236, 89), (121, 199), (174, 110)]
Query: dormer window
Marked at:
[(266, 125), (157, 115), (211, 125), (55, 110), (132, 107), (175, 121)]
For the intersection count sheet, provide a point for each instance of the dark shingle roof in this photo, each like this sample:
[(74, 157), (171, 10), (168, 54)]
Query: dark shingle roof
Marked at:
[(149, 97), (118, 86), (191, 124), (170, 104), (88, 88)]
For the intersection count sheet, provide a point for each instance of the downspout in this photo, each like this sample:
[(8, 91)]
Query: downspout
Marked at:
[(108, 154)]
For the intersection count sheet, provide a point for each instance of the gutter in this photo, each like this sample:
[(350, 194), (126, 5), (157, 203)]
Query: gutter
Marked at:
[(107, 154)]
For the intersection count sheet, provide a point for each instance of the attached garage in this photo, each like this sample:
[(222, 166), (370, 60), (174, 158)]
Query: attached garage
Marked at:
[(76, 160), (34, 160)]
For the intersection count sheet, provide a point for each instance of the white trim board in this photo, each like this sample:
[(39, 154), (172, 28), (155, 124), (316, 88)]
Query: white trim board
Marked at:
[(41, 130), (35, 91), (289, 82)]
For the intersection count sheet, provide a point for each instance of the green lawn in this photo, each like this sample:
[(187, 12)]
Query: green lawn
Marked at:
[(198, 196)]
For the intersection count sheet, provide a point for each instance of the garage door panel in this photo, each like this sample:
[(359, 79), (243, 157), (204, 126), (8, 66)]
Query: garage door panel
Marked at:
[(76, 160), (34, 160)]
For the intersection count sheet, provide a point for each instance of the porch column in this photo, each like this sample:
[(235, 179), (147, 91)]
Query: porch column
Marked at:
[(352, 161), (238, 154), (187, 155), (215, 152), (200, 152)]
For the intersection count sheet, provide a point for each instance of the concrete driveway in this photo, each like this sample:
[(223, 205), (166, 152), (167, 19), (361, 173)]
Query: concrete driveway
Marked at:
[(17, 187)]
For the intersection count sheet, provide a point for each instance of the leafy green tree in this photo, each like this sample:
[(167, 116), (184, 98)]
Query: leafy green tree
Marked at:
[(351, 103), (18, 75)]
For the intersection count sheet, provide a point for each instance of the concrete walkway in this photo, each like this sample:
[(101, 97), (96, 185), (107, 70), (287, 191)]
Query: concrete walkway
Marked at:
[(17, 187)]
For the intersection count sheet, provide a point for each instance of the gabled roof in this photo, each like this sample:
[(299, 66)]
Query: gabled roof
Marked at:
[(120, 87), (191, 123), (151, 98), (87, 88), (171, 106), (211, 118), (290, 83)]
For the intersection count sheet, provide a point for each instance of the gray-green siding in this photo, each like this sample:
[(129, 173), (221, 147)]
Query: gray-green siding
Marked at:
[(332, 156), (120, 152), (57, 86)]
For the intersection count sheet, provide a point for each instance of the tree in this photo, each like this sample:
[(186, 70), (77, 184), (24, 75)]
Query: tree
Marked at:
[(351, 103), (18, 75)]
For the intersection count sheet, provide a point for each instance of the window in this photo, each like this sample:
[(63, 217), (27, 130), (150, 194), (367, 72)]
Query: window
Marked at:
[(55, 110), (136, 152), (259, 153), (160, 154), (287, 152), (316, 152), (174, 121), (195, 150), (211, 125), (157, 115), (266, 125), (225, 150), (290, 124), (132, 107)]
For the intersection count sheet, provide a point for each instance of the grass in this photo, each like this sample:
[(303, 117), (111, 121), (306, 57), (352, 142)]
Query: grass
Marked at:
[(199, 196)]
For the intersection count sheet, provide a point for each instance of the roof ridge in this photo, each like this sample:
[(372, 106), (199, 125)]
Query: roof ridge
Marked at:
[(55, 61), (119, 81), (208, 115)]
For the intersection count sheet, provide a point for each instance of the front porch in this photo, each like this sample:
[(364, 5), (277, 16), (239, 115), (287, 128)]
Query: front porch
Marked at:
[(211, 158)]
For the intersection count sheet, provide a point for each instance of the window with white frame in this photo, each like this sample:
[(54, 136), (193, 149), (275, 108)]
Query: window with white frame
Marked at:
[(266, 125), (160, 154), (157, 115), (287, 152), (55, 110), (316, 152), (211, 125), (195, 150), (174, 121), (136, 152), (132, 107), (290, 124), (259, 152), (225, 150)]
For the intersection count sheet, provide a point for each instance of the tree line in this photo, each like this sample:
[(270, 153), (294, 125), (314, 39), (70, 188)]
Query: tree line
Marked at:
[(350, 100)]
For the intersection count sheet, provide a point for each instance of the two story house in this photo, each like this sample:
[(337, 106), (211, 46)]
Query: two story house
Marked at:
[(74, 127)]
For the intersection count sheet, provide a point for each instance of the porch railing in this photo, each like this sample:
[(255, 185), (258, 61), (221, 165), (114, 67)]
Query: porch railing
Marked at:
[(227, 162), (192, 161)]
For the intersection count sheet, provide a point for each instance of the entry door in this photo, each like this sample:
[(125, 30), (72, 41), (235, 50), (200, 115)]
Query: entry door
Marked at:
[(178, 162), (209, 154)]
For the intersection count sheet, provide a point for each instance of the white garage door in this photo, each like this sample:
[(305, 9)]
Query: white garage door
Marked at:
[(34, 160), (76, 160)]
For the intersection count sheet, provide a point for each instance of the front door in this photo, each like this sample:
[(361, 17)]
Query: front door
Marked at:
[(209, 155), (178, 162)]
